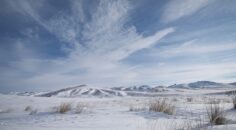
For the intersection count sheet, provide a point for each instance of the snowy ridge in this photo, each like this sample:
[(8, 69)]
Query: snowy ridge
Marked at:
[(201, 84), (22, 93), (87, 91), (234, 84), (142, 88), (83, 90)]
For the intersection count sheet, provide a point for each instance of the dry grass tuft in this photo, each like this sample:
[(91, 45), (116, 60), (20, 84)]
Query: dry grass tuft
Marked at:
[(189, 99), (234, 102), (28, 108), (33, 112), (64, 107), (136, 108), (161, 105), (80, 107), (216, 114)]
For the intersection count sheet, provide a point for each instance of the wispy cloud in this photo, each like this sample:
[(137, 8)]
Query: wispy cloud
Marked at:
[(195, 47), (96, 46), (176, 9)]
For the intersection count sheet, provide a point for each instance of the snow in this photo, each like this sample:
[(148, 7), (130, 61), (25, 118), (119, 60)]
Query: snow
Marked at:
[(112, 112)]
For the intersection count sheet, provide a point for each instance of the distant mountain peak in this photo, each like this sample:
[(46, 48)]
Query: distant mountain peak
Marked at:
[(200, 84), (234, 83)]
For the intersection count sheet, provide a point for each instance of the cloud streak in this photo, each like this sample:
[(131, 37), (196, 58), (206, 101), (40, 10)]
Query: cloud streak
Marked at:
[(195, 47), (176, 9), (95, 47)]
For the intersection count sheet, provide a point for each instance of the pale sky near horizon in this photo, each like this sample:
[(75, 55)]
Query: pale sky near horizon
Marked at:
[(52, 44)]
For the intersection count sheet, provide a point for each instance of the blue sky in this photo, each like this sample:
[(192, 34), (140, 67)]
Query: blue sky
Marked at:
[(51, 44)]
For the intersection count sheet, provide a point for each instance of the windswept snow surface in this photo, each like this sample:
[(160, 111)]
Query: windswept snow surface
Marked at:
[(101, 113), (109, 108)]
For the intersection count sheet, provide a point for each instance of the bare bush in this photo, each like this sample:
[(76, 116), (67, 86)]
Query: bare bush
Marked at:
[(234, 102), (64, 107), (161, 105), (216, 114)]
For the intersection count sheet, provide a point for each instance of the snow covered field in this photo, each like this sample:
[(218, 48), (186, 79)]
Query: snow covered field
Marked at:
[(113, 113)]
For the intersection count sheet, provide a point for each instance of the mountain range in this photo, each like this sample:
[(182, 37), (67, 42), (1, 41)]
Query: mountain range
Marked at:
[(143, 90)]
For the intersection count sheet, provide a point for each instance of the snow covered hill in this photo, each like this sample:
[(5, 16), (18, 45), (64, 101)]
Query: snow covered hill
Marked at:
[(83, 90), (87, 91), (143, 90), (201, 84)]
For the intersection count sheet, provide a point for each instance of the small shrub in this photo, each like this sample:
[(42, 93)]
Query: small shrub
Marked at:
[(64, 107), (234, 102), (161, 105), (28, 108), (216, 114)]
